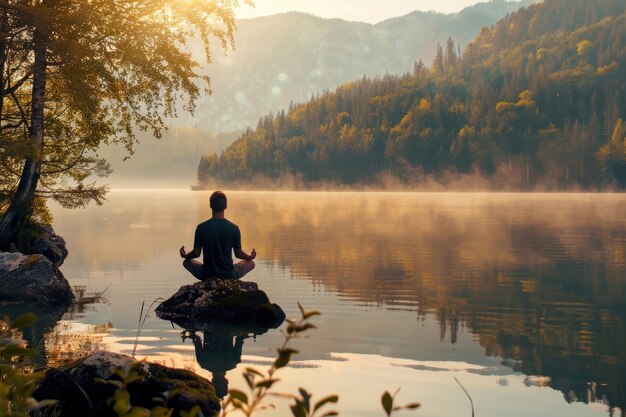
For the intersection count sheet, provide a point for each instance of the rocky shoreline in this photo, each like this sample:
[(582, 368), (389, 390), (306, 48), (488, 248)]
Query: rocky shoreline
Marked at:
[(223, 300), (34, 275), (85, 387), (32, 280)]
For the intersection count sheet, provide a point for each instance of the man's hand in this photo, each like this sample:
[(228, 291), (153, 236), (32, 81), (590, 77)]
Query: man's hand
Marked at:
[(183, 254)]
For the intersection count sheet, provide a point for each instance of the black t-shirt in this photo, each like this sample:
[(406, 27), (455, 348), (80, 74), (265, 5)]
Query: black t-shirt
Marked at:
[(217, 238)]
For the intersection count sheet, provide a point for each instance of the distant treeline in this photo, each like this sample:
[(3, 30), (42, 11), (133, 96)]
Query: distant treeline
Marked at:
[(536, 100)]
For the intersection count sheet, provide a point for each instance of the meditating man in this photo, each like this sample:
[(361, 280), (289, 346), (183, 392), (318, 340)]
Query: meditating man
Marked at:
[(217, 238)]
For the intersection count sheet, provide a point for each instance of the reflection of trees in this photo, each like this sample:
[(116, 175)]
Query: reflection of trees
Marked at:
[(54, 336), (47, 317), (538, 279), (554, 326), (67, 343)]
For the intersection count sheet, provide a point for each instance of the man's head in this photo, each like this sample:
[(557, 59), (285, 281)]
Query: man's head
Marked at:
[(218, 201)]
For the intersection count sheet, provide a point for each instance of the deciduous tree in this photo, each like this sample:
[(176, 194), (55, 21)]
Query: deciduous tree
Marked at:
[(80, 73)]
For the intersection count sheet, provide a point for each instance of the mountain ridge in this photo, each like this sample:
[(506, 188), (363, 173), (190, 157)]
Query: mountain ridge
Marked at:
[(283, 59), (536, 100)]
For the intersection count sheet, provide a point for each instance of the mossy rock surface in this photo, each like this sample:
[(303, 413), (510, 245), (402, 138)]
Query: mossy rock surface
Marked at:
[(230, 301), (186, 388), (37, 238), (32, 278)]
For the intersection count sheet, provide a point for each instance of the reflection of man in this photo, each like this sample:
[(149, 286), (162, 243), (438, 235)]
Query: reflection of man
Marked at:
[(217, 238), (217, 354)]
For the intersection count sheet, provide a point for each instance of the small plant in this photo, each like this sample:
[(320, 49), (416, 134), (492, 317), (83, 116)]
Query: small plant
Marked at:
[(17, 380), (387, 401), (121, 402), (142, 321), (260, 383)]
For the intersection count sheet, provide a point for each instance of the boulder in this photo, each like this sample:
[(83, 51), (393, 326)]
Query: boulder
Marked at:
[(231, 301), (80, 390), (32, 278), (41, 239)]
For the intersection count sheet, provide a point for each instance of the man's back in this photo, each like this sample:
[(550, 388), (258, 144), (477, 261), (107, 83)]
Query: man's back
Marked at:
[(217, 238)]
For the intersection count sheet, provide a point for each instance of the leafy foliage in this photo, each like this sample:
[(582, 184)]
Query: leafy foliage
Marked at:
[(17, 380), (121, 401), (387, 401), (76, 74), (260, 383)]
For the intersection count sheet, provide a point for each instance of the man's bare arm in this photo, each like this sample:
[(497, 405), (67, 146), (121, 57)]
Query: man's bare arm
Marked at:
[(242, 255), (190, 255)]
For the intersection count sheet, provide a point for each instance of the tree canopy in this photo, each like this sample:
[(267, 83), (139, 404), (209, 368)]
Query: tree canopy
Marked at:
[(76, 74)]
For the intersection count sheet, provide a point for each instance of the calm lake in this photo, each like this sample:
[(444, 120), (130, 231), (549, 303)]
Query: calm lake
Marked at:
[(521, 297)]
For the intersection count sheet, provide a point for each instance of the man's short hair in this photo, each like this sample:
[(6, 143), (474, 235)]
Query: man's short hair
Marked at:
[(218, 201)]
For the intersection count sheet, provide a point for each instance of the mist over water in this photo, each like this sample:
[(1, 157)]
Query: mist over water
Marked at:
[(520, 296)]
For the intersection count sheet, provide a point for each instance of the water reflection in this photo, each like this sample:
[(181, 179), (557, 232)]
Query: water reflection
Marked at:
[(539, 280), (217, 352), (218, 348), (55, 336)]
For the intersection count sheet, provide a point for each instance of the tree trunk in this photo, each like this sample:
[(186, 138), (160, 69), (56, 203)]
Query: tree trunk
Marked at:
[(22, 202), (4, 34)]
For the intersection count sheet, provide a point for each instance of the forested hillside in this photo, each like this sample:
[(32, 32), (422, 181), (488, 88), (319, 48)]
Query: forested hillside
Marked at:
[(288, 57), (534, 101), (282, 58)]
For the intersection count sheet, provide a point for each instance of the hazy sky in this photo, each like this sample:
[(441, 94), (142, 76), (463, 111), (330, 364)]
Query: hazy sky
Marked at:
[(371, 11)]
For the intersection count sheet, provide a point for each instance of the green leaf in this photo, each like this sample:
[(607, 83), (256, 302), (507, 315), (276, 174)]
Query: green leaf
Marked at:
[(117, 384), (138, 412), (4, 369), (281, 361), (298, 410), (330, 413), (42, 404), (249, 379), (15, 350), (24, 320), (325, 400), (284, 356), (266, 383), (254, 371), (297, 328), (411, 406), (160, 411), (306, 399), (158, 400), (387, 402), (134, 376), (122, 372), (311, 313), (301, 309), (121, 402), (238, 395)]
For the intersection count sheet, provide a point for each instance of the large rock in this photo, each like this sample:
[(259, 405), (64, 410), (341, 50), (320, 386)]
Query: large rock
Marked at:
[(41, 239), (230, 301), (80, 391), (32, 278)]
